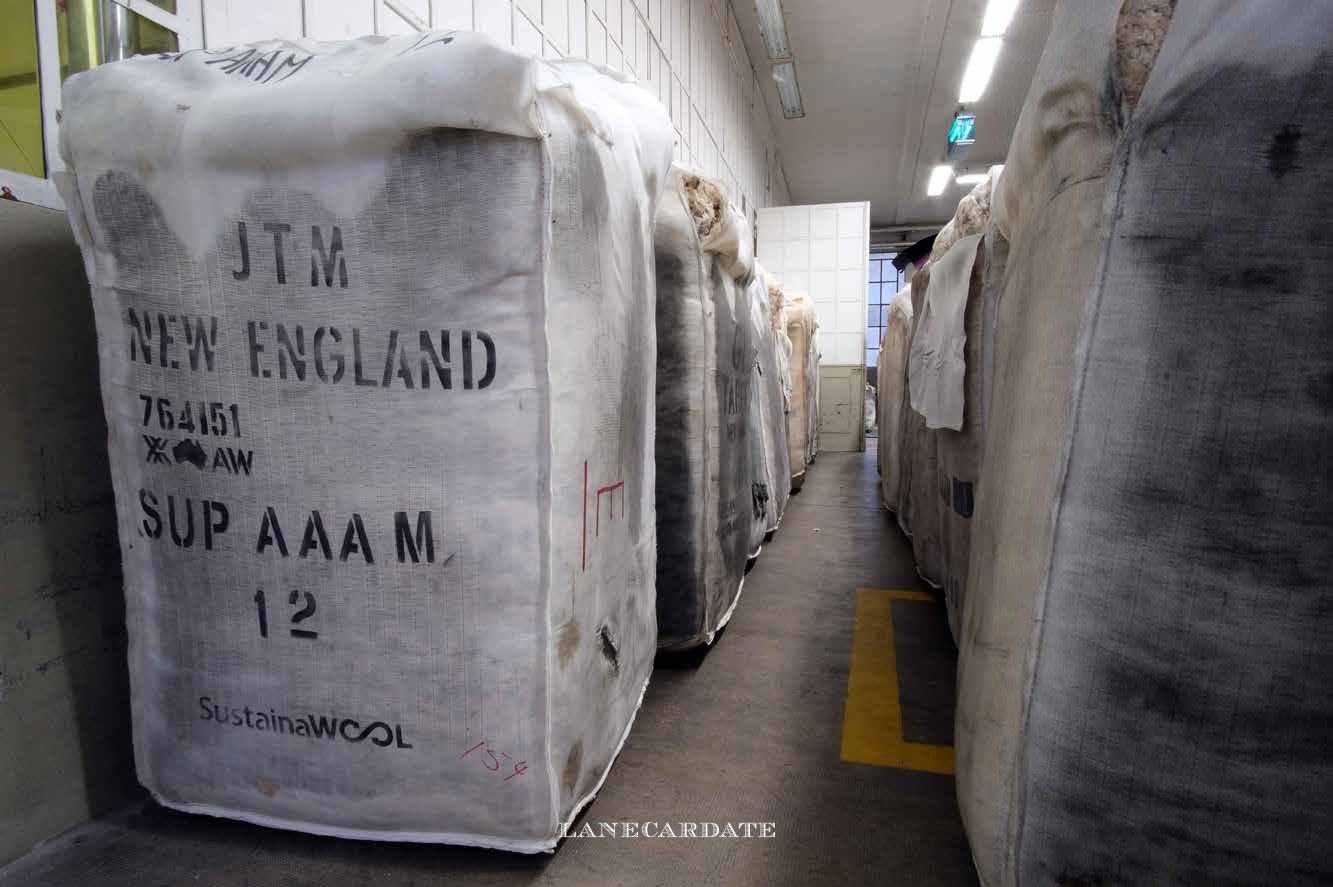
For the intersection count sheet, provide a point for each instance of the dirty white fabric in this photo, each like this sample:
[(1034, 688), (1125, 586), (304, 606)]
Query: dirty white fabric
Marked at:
[(870, 419), (1146, 695), (958, 453), (892, 386), (800, 314), (1048, 203), (768, 391), (705, 372), (936, 361), (812, 385), (918, 487), (380, 409)]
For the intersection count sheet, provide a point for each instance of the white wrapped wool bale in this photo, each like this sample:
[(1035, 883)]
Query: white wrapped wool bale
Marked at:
[(1169, 708), (769, 383), (919, 484), (1049, 206), (380, 408), (812, 387), (705, 372), (945, 371), (892, 392), (800, 329)]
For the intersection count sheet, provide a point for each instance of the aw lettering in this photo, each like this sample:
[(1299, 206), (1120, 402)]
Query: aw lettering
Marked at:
[(182, 521)]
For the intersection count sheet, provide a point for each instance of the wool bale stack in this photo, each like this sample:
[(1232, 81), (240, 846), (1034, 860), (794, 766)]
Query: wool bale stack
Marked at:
[(1146, 687), (944, 381), (707, 511), (770, 366), (891, 393), (804, 373), (381, 413)]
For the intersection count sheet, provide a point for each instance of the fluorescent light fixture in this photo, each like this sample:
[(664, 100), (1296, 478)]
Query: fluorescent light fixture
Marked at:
[(789, 91), (979, 68), (971, 178), (773, 28), (998, 15), (939, 180)]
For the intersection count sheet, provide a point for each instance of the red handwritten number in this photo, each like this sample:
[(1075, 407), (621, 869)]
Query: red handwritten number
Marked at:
[(494, 766)]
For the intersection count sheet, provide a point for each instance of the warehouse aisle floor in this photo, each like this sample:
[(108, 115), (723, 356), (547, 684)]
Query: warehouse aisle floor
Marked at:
[(751, 732)]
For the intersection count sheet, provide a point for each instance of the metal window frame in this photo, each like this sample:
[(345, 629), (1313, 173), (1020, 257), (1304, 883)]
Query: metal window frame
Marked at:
[(186, 23)]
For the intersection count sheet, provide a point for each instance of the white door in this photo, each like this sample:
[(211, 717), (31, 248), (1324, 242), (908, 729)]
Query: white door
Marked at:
[(824, 250)]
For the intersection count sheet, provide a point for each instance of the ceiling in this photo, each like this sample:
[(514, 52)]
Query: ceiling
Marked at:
[(879, 82)]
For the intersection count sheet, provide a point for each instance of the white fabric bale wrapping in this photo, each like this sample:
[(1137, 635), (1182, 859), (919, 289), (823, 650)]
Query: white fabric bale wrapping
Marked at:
[(919, 486), (800, 313), (936, 360), (958, 451), (812, 385), (1052, 190), (892, 391), (776, 479), (1179, 687), (705, 370), (389, 558)]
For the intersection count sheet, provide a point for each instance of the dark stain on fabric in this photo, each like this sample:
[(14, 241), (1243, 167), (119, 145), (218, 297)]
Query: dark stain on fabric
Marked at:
[(569, 777), (1284, 151), (567, 642), (609, 649)]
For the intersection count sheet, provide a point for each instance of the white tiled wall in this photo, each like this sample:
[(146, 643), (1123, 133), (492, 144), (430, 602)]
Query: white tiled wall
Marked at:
[(824, 250), (685, 52)]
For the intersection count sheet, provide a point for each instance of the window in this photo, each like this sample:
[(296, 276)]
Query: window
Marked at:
[(44, 41), (885, 282)]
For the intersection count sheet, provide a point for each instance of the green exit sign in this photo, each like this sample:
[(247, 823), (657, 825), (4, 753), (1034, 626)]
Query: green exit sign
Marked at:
[(963, 131)]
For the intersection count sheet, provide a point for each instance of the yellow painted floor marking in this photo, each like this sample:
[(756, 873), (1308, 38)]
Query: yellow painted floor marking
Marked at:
[(872, 724)]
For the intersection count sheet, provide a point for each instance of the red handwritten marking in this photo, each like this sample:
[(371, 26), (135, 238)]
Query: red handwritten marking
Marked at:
[(619, 485), (494, 766)]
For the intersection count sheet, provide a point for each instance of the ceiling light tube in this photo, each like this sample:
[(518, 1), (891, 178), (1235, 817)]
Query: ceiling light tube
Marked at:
[(979, 68), (939, 180), (999, 13), (971, 178), (773, 28), (789, 91)]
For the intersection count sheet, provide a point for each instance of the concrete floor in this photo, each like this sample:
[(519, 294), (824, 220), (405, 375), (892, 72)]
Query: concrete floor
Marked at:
[(749, 732)]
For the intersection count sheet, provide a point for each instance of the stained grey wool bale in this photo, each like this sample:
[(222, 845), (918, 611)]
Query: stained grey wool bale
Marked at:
[(1146, 681), (380, 404), (706, 512)]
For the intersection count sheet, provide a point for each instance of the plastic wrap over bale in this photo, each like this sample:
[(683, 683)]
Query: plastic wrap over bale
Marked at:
[(768, 391), (800, 329), (1169, 710), (891, 390), (705, 372), (380, 409)]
